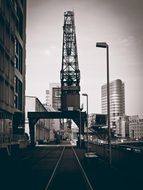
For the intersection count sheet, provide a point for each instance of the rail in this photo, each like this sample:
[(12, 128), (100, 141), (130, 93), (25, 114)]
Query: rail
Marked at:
[(53, 178), (89, 186), (54, 172)]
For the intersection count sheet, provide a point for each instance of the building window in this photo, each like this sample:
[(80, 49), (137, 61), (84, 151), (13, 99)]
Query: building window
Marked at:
[(18, 94), (18, 56), (19, 21)]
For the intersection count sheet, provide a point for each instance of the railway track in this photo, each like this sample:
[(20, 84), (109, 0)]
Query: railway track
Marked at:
[(52, 168), (68, 173)]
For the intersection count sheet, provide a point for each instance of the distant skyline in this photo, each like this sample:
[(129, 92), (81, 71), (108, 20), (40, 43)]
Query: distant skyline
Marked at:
[(119, 23)]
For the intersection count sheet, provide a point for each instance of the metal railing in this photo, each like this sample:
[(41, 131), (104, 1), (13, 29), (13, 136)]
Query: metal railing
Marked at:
[(6, 139)]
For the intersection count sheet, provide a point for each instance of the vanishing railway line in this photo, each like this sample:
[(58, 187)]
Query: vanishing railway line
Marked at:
[(59, 167), (45, 168), (68, 173)]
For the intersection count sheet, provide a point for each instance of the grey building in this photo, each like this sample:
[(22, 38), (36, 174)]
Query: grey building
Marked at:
[(117, 100), (42, 126), (122, 126), (136, 126), (53, 96), (12, 65), (53, 103)]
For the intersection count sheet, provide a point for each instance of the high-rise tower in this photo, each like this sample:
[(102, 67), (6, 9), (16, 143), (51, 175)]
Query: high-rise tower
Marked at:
[(70, 74), (117, 100)]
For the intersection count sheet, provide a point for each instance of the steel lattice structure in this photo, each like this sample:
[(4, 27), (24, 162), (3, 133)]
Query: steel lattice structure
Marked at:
[(70, 80), (70, 73)]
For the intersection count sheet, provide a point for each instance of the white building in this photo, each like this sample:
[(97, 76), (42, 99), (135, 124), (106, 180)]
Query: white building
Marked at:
[(42, 127), (122, 126), (117, 100), (54, 124), (53, 103), (136, 127), (53, 96)]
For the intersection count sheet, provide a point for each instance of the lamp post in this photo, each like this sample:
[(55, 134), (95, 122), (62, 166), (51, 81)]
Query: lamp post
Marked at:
[(79, 110), (105, 45), (84, 94)]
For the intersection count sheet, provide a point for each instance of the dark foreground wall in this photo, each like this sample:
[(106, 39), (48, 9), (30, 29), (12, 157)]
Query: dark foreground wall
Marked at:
[(123, 157)]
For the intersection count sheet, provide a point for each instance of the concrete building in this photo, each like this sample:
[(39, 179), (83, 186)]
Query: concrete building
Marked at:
[(54, 124), (42, 127), (122, 126), (47, 98), (97, 120), (117, 100), (53, 96), (97, 125), (136, 127), (53, 103), (12, 65)]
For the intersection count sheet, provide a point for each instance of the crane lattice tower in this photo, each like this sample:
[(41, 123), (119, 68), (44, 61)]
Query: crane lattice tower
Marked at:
[(70, 73)]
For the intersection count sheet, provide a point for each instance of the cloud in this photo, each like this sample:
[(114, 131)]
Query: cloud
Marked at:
[(127, 41), (47, 52)]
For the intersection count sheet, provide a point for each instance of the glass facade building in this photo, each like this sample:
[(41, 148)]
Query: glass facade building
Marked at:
[(117, 100)]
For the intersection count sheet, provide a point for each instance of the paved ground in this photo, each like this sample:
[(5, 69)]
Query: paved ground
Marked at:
[(30, 169)]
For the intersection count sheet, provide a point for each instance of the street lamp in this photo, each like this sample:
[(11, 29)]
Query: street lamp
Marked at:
[(87, 117), (79, 110), (105, 45)]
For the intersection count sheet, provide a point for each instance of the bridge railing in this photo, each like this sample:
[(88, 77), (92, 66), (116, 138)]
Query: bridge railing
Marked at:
[(6, 139)]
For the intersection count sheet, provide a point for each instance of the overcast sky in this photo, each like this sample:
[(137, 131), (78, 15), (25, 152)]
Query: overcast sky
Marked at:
[(117, 22)]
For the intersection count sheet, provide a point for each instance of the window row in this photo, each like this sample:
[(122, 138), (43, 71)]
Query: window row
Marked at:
[(6, 93), (18, 56), (18, 94), (6, 67), (7, 39), (13, 14)]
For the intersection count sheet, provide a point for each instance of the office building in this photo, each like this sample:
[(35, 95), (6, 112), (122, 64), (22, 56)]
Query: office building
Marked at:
[(117, 100), (122, 126), (136, 127), (53, 96), (12, 65), (53, 103)]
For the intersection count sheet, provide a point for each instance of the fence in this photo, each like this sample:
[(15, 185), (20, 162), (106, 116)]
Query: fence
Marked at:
[(8, 139)]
